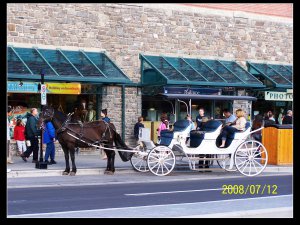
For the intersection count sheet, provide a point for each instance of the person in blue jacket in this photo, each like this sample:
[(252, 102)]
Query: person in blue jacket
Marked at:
[(49, 139), (104, 115)]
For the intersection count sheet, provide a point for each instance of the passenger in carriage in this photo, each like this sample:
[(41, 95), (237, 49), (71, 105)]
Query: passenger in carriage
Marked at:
[(192, 125), (199, 118), (238, 125), (230, 118), (163, 125)]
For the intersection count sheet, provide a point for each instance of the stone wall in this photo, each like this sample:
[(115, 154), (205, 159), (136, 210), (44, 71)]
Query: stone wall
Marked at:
[(126, 30)]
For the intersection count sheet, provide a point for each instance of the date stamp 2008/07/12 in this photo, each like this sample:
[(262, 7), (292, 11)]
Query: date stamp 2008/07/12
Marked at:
[(252, 189)]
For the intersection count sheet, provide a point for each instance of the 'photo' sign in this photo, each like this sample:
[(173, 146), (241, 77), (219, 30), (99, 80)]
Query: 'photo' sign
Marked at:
[(278, 96)]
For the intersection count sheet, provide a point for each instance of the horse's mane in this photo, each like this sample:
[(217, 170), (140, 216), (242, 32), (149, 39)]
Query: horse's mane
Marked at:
[(60, 115)]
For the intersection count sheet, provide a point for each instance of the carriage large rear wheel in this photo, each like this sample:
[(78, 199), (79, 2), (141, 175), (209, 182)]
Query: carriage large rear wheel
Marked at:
[(251, 158), (161, 160), (139, 160), (224, 162)]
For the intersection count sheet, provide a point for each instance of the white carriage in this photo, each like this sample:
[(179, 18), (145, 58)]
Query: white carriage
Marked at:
[(241, 153)]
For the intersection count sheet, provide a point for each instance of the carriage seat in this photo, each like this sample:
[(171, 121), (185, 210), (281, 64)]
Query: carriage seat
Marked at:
[(166, 136), (208, 131)]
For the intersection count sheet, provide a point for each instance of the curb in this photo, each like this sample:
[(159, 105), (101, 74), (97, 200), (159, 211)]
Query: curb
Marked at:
[(44, 173), (100, 171)]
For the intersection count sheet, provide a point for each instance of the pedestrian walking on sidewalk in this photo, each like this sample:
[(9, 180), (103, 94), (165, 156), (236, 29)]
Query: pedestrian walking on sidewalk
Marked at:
[(49, 139), (31, 134), (19, 136), (137, 127)]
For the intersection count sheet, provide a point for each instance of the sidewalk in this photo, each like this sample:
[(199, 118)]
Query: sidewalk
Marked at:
[(92, 164)]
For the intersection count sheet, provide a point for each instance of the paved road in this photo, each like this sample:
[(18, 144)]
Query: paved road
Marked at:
[(159, 198)]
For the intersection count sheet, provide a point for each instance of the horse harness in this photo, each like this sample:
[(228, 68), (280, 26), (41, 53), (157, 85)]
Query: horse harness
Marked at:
[(80, 135)]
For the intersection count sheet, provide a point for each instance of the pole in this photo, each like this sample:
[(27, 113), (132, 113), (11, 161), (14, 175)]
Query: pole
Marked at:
[(41, 144), (41, 164)]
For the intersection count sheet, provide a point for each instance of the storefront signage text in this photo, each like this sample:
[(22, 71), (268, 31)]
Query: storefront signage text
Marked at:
[(192, 91), (26, 87), (63, 88), (278, 96)]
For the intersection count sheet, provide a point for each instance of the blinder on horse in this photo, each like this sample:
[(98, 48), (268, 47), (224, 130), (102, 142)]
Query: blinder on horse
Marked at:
[(48, 114)]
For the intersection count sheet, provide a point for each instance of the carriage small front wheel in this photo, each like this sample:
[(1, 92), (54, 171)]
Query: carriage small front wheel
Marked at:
[(139, 160), (251, 158), (161, 160)]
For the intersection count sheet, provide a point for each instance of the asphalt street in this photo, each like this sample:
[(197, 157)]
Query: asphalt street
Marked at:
[(173, 197)]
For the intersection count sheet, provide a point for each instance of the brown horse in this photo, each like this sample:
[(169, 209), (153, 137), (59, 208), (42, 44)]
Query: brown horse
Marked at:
[(72, 134)]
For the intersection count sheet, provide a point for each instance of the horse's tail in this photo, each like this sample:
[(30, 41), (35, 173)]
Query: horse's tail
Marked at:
[(125, 156)]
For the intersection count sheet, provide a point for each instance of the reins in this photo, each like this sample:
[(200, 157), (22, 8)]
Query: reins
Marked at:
[(64, 126)]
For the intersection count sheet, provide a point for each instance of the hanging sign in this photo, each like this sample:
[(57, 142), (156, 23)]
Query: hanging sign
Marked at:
[(278, 96), (64, 88), (43, 94)]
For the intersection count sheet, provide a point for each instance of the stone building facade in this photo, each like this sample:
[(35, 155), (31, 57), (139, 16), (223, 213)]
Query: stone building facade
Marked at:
[(126, 30)]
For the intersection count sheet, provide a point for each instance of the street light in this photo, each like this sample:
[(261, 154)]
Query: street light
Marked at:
[(41, 164)]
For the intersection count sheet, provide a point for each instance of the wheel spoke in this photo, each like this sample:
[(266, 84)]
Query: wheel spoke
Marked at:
[(258, 163), (242, 162), (168, 163), (169, 159), (156, 163), (153, 157), (250, 168), (254, 166), (166, 167), (158, 168), (245, 166), (138, 162)]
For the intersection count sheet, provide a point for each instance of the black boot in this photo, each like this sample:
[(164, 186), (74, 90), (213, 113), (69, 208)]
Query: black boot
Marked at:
[(48, 163)]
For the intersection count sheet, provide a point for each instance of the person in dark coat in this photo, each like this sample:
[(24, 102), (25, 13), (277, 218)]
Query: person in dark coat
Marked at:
[(32, 133), (49, 139), (256, 124), (137, 127), (288, 119)]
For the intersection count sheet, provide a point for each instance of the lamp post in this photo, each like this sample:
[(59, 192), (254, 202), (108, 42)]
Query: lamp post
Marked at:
[(41, 164)]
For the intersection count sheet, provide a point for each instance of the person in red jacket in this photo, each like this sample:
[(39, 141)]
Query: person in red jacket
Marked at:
[(19, 136)]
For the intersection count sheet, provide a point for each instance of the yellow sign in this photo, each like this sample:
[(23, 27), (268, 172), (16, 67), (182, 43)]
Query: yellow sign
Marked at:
[(63, 88)]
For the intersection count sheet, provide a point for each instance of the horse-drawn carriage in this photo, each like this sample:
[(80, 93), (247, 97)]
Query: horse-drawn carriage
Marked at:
[(241, 153)]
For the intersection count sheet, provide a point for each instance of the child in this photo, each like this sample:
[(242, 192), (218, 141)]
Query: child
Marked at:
[(19, 136)]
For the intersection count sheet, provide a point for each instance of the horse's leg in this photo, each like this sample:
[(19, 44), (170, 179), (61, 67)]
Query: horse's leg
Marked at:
[(107, 152), (74, 169), (66, 153), (110, 161)]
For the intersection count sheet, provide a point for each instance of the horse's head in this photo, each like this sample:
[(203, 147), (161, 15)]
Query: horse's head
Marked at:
[(46, 115)]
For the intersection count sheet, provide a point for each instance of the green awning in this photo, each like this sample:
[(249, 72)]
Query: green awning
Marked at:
[(163, 70), (62, 65), (280, 76)]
